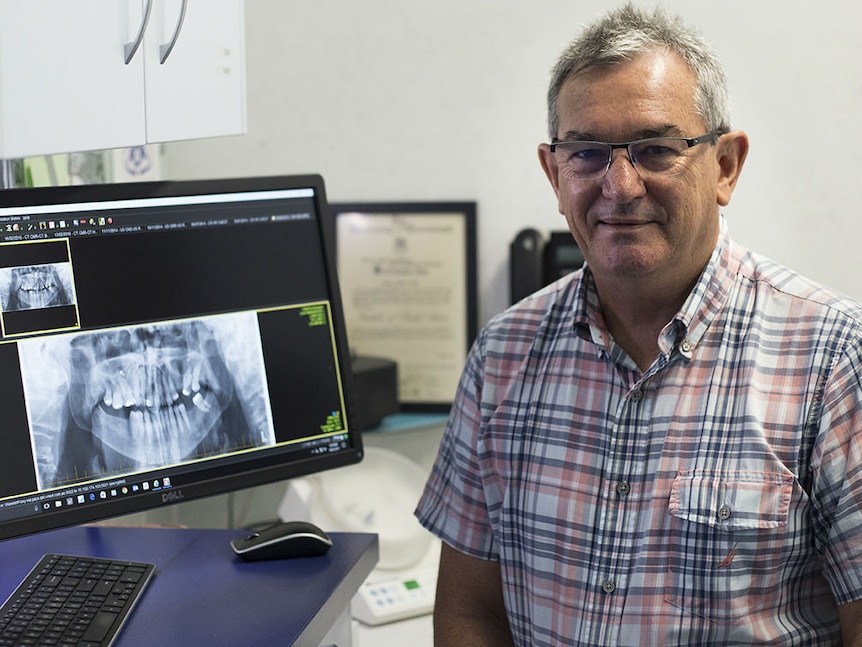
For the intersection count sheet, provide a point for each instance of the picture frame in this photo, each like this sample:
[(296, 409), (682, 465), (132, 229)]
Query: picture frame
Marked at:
[(408, 276)]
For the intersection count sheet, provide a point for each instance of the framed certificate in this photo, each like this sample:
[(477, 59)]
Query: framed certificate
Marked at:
[(408, 282)]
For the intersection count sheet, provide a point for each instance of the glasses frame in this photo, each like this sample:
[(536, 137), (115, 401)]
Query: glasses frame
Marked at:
[(690, 142)]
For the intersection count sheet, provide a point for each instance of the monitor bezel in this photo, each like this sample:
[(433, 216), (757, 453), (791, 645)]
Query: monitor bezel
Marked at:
[(256, 475)]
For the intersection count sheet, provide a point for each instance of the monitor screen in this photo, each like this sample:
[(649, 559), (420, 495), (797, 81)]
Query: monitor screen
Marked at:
[(165, 341)]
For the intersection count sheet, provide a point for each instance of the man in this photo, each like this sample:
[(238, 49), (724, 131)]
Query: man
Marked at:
[(664, 447)]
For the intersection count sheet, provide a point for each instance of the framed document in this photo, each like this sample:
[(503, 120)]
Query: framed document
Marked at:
[(408, 282)]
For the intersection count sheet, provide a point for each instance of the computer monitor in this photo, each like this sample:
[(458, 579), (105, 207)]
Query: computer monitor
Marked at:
[(165, 341)]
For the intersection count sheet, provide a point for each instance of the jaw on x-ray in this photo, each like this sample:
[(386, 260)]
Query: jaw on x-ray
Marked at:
[(36, 286), (151, 396)]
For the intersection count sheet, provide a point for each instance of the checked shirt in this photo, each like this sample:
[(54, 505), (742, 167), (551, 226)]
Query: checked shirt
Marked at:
[(712, 500)]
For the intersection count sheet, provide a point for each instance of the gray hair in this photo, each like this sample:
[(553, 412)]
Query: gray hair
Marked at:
[(621, 35)]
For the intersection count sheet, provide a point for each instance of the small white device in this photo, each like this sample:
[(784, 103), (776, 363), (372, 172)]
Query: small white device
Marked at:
[(396, 598)]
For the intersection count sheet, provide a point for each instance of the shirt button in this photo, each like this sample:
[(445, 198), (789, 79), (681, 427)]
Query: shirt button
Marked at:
[(623, 488), (685, 346), (724, 512), (637, 395), (609, 586)]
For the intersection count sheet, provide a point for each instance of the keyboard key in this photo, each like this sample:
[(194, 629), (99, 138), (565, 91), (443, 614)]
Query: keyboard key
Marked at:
[(100, 626)]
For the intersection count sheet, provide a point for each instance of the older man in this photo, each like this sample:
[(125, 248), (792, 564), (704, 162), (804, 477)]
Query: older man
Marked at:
[(665, 447)]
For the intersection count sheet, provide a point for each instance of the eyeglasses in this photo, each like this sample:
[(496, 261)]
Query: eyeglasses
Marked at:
[(591, 160)]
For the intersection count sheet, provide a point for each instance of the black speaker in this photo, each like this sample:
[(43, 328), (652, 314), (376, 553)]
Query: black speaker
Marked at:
[(376, 380)]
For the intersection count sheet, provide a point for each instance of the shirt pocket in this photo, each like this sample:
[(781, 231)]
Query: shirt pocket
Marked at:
[(727, 543)]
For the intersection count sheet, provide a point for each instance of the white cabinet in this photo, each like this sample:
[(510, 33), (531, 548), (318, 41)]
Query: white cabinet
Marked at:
[(199, 91), (66, 84)]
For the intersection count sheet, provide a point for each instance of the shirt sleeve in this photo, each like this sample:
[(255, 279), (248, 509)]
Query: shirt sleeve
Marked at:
[(453, 505), (836, 464)]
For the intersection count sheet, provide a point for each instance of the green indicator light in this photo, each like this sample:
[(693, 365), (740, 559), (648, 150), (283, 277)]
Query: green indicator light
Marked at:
[(410, 585)]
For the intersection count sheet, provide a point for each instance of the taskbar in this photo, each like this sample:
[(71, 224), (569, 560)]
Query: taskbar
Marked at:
[(118, 487)]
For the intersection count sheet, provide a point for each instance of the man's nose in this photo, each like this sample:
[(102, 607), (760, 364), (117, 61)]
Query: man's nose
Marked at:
[(622, 182)]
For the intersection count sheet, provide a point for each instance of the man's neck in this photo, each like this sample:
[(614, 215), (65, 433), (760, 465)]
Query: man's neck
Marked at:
[(636, 312)]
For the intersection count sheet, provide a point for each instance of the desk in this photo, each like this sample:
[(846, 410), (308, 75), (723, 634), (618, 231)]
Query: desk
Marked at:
[(203, 594)]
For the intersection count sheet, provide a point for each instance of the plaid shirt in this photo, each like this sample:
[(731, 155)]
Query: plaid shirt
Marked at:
[(712, 500)]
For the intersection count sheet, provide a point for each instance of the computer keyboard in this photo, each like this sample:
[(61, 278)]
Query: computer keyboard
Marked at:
[(70, 600)]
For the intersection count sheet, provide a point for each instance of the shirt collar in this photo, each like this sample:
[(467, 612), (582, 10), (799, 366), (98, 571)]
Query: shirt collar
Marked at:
[(710, 293), (588, 320)]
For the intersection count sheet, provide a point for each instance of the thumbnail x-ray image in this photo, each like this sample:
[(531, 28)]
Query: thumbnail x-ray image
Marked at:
[(128, 399), (31, 287)]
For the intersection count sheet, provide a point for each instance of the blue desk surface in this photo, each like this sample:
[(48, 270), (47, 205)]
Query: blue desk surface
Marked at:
[(202, 593)]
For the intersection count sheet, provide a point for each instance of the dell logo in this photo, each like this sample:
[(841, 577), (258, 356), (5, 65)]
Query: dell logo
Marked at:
[(173, 496)]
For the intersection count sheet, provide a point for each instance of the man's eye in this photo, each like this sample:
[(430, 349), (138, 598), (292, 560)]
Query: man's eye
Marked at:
[(658, 149), (581, 153), (590, 154)]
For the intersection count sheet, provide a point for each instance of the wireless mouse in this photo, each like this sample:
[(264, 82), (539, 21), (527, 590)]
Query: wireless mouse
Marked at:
[(282, 541)]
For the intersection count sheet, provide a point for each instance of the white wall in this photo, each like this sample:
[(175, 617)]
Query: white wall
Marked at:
[(400, 100)]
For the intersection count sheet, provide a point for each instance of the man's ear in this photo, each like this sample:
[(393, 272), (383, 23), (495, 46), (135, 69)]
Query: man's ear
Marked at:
[(549, 165), (732, 151)]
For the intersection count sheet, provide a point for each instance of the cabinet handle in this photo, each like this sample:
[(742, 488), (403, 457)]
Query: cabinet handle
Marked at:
[(132, 47), (165, 49)]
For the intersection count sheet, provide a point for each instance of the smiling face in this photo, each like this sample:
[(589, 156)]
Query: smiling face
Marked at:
[(660, 228)]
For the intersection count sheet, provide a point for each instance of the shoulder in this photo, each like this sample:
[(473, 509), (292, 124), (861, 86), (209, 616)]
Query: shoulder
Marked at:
[(534, 328), (799, 294), (551, 308)]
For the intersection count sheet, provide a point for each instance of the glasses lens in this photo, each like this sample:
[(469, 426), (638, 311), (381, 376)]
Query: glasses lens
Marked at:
[(583, 159), (658, 155)]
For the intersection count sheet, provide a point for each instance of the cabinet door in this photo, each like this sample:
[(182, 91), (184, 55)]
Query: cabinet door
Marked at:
[(199, 90), (64, 83)]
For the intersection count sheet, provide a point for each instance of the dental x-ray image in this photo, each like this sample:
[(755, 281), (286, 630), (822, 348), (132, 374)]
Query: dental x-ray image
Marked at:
[(129, 399), (32, 287)]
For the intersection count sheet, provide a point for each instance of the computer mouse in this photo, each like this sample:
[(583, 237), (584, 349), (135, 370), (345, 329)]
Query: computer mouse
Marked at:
[(282, 541)]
